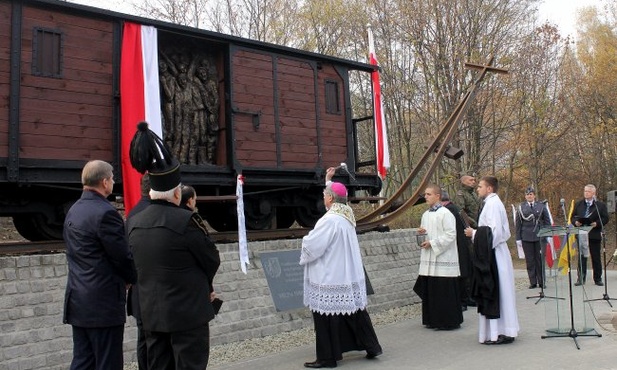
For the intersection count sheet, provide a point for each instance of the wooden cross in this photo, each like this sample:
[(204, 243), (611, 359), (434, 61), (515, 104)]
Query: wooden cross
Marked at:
[(485, 68)]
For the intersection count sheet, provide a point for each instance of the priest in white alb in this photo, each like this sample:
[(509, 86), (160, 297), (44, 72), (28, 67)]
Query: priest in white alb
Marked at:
[(493, 277), (334, 283)]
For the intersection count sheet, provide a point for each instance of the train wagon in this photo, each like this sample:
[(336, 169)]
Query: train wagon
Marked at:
[(228, 106)]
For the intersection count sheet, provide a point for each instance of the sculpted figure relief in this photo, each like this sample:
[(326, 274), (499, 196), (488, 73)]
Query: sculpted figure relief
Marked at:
[(190, 105)]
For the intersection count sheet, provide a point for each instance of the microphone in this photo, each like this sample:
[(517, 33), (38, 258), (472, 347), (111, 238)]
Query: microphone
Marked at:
[(562, 203)]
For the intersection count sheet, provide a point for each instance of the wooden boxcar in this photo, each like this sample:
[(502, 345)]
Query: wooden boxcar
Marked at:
[(277, 115)]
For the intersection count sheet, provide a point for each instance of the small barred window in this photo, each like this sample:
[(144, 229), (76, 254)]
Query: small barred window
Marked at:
[(47, 53)]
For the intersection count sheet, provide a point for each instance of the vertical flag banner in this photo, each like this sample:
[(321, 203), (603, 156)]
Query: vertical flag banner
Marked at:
[(139, 98), (553, 242), (519, 247), (381, 134), (242, 244), (568, 244)]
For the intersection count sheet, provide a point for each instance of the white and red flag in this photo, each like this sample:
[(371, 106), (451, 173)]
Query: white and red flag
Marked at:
[(553, 243), (139, 98), (243, 251), (381, 134)]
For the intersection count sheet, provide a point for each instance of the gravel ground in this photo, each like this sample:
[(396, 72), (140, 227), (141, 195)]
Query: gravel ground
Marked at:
[(238, 351)]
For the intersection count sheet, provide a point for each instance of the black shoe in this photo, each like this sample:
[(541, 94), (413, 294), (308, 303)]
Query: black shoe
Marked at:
[(542, 285), (471, 302), (463, 308), (504, 339), (320, 364), (599, 283), (370, 355), (501, 339), (578, 283), (451, 327), (533, 286)]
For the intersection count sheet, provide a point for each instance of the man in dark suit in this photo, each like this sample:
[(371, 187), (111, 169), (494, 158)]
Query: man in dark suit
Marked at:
[(591, 212), (176, 263), (531, 216), (100, 267)]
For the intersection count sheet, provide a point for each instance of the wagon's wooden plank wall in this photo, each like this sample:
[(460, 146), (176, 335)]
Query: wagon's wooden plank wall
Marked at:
[(298, 116), (5, 42), (333, 130), (55, 111), (253, 91)]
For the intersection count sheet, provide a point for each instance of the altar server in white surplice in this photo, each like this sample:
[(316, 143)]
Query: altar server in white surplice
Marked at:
[(438, 278)]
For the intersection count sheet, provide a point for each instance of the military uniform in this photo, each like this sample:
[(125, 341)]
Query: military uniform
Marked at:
[(467, 200), (530, 218)]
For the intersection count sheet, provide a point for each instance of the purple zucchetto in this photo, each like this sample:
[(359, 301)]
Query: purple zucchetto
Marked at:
[(339, 189)]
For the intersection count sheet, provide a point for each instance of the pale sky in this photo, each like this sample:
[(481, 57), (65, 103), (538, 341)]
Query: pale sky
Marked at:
[(563, 13), (560, 12)]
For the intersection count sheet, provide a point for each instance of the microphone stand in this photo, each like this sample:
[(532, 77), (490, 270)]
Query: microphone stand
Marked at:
[(605, 296), (572, 333)]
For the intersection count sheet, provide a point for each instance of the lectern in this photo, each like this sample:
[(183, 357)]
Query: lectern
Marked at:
[(569, 329)]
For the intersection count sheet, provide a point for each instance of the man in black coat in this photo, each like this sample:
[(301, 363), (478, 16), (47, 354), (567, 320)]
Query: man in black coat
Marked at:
[(176, 263), (100, 267), (463, 244), (591, 212)]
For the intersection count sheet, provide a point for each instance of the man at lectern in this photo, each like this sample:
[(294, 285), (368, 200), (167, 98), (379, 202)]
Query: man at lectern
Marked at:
[(591, 212)]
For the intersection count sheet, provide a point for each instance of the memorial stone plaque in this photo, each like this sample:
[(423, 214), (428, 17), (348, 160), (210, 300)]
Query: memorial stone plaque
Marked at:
[(285, 278)]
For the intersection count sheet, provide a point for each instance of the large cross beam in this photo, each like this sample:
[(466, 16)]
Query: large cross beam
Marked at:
[(484, 68)]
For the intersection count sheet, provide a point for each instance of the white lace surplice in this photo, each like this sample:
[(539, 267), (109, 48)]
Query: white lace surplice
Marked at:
[(333, 274)]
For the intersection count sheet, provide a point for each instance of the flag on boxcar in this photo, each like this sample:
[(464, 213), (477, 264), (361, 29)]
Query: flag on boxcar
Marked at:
[(381, 135), (242, 244), (139, 98)]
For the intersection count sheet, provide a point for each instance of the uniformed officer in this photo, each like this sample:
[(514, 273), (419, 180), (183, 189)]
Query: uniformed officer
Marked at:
[(531, 216)]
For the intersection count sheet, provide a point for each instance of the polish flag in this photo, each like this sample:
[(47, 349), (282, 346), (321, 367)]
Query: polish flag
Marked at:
[(553, 243), (139, 98), (381, 135)]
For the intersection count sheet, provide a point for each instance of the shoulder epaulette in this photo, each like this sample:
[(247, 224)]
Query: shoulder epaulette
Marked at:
[(199, 222)]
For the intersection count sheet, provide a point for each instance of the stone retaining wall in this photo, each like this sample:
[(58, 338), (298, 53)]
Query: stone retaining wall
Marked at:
[(32, 335)]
